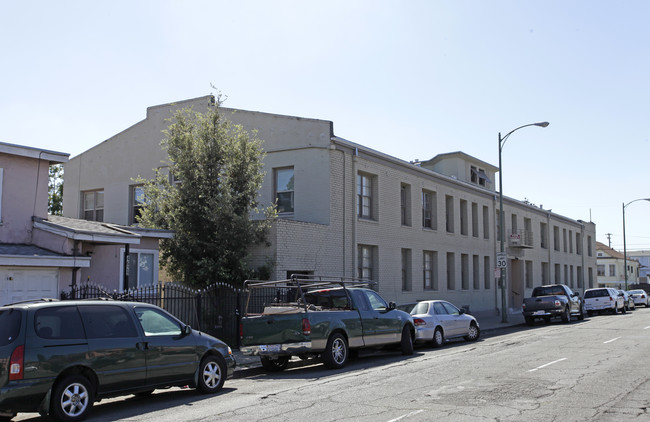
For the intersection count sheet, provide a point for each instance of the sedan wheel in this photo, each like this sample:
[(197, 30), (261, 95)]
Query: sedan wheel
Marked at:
[(212, 374), (473, 333), (438, 338)]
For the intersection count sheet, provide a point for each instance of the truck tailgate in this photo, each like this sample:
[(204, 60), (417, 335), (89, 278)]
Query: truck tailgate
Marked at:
[(272, 329), (540, 303)]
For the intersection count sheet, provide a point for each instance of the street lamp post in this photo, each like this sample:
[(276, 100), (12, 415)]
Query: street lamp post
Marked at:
[(502, 141), (624, 243)]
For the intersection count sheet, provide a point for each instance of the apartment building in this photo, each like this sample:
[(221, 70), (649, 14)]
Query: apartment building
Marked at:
[(420, 230)]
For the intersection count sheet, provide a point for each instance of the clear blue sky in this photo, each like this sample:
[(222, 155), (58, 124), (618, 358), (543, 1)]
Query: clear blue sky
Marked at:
[(412, 79)]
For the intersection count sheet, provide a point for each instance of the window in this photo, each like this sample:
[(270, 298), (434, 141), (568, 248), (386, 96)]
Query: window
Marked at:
[(284, 189), (474, 219), (612, 270), (449, 213), (430, 269), (451, 271), (558, 273), (406, 270), (428, 210), (61, 322), (486, 222), (529, 274), (93, 205), (476, 273), (478, 176), (543, 234), (601, 270), (137, 202), (405, 204), (571, 276), (156, 323), (545, 275), (564, 241), (376, 301), (570, 241), (580, 277), (589, 250), (463, 218), (141, 268), (366, 262), (365, 196), (591, 277), (487, 272), (578, 244), (464, 271), (107, 321), (556, 238)]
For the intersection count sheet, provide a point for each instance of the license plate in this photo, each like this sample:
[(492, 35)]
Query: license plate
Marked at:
[(270, 348), (539, 313)]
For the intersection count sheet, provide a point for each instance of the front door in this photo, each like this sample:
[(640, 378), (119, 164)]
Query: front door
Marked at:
[(171, 354)]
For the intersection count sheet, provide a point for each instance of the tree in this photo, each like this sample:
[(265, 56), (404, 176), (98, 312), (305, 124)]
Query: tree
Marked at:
[(55, 190), (207, 198)]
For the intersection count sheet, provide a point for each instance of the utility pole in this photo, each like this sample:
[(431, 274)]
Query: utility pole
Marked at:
[(609, 239)]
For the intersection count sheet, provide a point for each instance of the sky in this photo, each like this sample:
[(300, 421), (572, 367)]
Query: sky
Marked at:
[(410, 78)]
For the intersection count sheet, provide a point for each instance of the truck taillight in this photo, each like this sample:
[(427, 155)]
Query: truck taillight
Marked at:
[(558, 303), (16, 363), (241, 331), (306, 327), (419, 321)]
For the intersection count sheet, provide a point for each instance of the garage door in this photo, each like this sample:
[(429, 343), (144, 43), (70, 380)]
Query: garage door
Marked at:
[(18, 284)]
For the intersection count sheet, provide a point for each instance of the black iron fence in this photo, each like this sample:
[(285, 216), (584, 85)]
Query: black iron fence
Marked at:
[(215, 310)]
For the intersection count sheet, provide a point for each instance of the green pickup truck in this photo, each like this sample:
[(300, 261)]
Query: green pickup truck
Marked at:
[(315, 317)]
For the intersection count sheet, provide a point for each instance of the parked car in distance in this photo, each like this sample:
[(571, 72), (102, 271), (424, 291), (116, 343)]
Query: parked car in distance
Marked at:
[(604, 299), (553, 300), (58, 357), (639, 296), (438, 320), (628, 300)]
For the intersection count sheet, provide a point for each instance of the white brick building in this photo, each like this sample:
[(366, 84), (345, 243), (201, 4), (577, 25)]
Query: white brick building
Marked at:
[(420, 230)]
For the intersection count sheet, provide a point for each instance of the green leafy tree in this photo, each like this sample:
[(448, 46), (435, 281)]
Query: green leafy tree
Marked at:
[(55, 190), (208, 198)]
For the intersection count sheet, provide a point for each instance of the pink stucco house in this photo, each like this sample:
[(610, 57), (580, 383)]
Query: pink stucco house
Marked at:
[(42, 255)]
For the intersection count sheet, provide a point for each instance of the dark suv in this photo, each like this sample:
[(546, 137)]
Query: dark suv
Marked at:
[(58, 357)]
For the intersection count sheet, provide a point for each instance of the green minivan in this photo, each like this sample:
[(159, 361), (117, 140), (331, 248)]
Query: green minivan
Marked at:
[(58, 357)]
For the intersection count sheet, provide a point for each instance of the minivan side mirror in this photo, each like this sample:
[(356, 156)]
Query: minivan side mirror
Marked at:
[(187, 330), (391, 306)]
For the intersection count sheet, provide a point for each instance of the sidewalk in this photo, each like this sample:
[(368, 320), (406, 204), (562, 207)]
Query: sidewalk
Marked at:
[(489, 322)]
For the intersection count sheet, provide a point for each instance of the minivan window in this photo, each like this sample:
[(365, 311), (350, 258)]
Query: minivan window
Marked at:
[(10, 320), (60, 322), (155, 323), (107, 321)]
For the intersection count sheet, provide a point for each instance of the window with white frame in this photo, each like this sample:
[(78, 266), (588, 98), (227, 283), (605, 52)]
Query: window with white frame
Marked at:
[(430, 270), (365, 196), (141, 267), (93, 205), (428, 210), (365, 262), (137, 203), (284, 189)]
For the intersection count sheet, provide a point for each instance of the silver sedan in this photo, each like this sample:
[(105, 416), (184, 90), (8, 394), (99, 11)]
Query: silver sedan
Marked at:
[(438, 320), (640, 297)]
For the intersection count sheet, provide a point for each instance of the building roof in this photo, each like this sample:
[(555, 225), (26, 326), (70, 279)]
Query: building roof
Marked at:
[(93, 231), (22, 255), (52, 156), (462, 155), (613, 253)]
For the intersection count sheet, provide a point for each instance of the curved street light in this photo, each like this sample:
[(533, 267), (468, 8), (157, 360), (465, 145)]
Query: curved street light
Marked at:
[(624, 243), (502, 141)]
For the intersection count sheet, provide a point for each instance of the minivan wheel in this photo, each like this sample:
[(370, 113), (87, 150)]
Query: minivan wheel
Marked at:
[(406, 343), (212, 374), (71, 399)]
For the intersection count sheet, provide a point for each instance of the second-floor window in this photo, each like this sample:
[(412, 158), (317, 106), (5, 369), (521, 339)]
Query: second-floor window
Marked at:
[(137, 202), (93, 205), (428, 214), (284, 189), (364, 195)]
